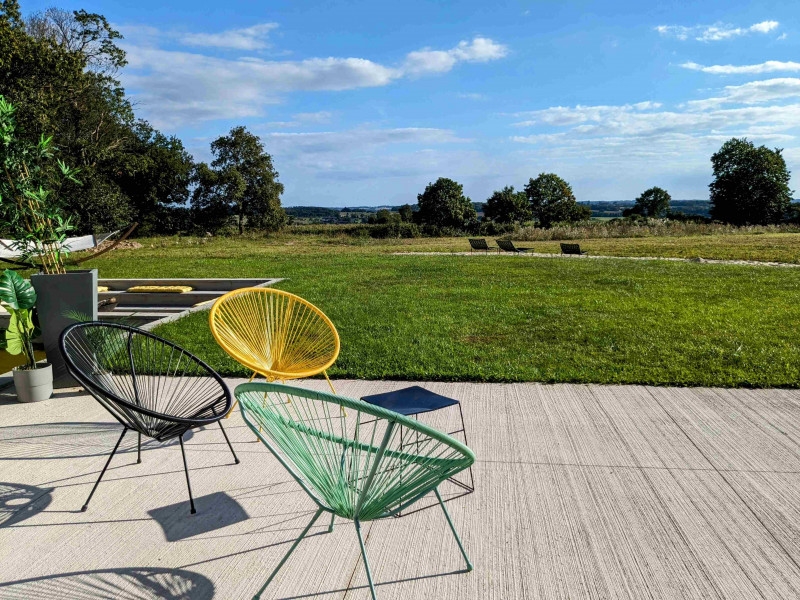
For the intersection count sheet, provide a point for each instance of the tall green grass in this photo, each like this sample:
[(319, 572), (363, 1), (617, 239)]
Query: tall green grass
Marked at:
[(623, 228)]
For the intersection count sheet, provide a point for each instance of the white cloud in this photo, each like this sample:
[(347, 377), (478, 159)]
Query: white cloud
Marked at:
[(752, 92), (615, 150), (764, 26), (770, 66), (363, 139), (625, 121), (249, 38), (714, 33), (440, 61), (363, 154), (563, 115), (176, 88)]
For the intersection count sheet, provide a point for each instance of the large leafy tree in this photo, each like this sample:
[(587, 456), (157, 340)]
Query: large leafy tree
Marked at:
[(59, 68), (507, 206), (444, 205), (751, 184), (653, 202), (154, 175), (552, 201), (241, 181)]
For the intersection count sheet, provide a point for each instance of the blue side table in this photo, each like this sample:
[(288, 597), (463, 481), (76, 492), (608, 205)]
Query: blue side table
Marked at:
[(415, 400)]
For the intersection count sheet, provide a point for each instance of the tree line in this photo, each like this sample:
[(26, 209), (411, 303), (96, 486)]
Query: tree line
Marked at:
[(547, 200), (750, 187), (60, 70)]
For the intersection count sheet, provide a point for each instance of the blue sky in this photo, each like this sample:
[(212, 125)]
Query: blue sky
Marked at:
[(364, 103)]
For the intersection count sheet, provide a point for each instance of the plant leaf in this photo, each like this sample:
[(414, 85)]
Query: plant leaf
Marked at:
[(19, 332), (16, 291)]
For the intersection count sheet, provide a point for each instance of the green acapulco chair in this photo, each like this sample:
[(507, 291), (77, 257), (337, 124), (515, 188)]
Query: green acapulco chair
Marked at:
[(350, 461)]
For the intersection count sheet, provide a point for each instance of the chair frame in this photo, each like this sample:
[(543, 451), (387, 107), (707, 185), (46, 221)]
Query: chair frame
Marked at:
[(393, 420), (257, 369), (511, 247), (567, 249), (478, 245), (122, 408)]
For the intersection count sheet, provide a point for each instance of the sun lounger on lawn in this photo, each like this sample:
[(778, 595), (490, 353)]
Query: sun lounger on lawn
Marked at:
[(508, 246), (478, 244), (572, 249)]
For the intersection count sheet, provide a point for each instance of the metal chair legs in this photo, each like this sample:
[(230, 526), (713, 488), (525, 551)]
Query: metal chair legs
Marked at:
[(139, 460), (186, 470), (453, 529), (449, 522), (471, 486), (361, 545), (235, 458), (366, 562), (103, 472), (286, 556)]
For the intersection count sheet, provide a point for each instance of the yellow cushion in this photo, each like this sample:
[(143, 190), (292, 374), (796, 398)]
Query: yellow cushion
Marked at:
[(171, 289), (102, 288)]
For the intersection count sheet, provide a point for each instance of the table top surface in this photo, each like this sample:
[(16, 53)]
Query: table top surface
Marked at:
[(410, 401)]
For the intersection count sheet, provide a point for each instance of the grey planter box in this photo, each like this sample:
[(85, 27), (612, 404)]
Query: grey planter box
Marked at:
[(56, 295)]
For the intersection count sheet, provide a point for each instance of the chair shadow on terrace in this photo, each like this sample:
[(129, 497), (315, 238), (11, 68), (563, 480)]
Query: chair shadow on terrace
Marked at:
[(137, 583), (218, 510), (67, 440), (19, 502)]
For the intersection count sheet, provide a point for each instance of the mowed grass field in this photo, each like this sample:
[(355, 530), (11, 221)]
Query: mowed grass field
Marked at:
[(508, 318)]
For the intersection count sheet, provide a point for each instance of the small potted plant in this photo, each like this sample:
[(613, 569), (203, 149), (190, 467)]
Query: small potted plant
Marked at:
[(34, 382)]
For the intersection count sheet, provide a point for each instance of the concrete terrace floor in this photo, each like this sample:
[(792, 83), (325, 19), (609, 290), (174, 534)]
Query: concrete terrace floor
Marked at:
[(582, 492)]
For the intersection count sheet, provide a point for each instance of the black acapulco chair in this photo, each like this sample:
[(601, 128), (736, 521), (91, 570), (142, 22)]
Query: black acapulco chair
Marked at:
[(148, 384)]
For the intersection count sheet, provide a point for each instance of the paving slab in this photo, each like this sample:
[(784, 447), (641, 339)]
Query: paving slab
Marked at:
[(581, 492), (729, 433)]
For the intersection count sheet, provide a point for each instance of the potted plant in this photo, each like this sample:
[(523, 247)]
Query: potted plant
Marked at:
[(31, 214), (34, 382)]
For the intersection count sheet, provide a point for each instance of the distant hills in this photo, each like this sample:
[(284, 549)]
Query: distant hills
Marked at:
[(360, 214), (614, 208)]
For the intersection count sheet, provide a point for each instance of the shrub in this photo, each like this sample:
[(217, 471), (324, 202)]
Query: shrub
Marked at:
[(493, 228), (395, 230), (359, 230)]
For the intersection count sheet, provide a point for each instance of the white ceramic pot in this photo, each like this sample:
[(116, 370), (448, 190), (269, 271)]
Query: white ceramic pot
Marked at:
[(34, 385)]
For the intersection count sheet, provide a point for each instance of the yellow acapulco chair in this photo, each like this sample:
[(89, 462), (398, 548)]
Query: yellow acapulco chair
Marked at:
[(277, 335)]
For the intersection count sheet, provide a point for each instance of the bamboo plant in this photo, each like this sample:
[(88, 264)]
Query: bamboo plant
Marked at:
[(30, 180)]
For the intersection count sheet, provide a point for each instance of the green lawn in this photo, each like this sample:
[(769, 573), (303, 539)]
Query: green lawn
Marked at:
[(508, 318)]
